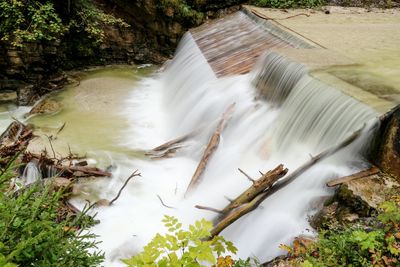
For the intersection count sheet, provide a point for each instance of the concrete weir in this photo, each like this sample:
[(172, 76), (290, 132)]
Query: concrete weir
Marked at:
[(232, 45), (351, 50)]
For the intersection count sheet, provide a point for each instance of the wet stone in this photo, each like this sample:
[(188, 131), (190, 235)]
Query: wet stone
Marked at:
[(47, 106), (8, 97)]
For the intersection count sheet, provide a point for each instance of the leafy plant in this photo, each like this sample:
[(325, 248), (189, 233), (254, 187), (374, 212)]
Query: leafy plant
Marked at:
[(376, 245), (29, 21), (88, 18), (192, 247), (33, 20), (36, 230), (181, 10)]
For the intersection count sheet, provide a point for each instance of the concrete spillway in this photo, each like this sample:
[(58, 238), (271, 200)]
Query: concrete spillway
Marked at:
[(232, 45)]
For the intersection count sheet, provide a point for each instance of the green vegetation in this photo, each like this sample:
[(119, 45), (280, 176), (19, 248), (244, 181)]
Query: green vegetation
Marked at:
[(33, 20), (288, 3), (36, 229), (187, 248), (181, 10), (375, 244), (90, 20), (29, 21)]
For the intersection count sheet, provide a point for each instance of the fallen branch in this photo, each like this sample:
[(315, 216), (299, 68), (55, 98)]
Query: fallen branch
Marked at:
[(162, 203), (262, 184), (135, 173), (69, 170), (239, 212), (211, 147), (14, 139), (247, 176), (61, 128), (173, 142), (168, 152), (358, 175), (169, 148), (86, 170), (208, 208), (50, 138)]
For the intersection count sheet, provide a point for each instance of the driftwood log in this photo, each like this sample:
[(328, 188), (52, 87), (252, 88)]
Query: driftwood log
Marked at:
[(92, 171), (211, 148), (14, 139), (173, 142), (248, 200), (169, 148), (260, 185), (365, 173), (65, 170)]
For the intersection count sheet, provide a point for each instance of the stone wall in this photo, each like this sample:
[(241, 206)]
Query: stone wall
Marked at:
[(23, 68)]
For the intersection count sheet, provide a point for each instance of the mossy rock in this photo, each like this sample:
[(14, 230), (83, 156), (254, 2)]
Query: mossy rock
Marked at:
[(46, 106)]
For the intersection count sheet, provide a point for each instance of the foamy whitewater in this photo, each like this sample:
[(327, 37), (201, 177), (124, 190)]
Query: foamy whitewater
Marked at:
[(308, 118)]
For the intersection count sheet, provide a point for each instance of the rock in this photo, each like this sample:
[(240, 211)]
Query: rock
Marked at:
[(60, 182), (326, 217), (301, 244), (16, 61), (389, 151), (26, 94), (12, 53), (78, 174), (298, 248), (8, 97), (47, 106), (102, 203), (366, 193), (12, 71), (356, 199)]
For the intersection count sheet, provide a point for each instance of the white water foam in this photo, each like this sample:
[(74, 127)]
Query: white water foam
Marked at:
[(188, 96)]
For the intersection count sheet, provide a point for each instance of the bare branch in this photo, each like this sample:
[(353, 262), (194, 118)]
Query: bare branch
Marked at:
[(162, 203), (135, 173), (208, 208), (247, 176)]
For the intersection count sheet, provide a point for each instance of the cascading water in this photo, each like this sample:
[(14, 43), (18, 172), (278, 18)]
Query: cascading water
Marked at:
[(275, 76), (188, 96), (30, 175)]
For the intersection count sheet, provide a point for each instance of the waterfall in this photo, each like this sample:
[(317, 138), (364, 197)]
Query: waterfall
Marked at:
[(30, 175), (275, 76), (188, 96)]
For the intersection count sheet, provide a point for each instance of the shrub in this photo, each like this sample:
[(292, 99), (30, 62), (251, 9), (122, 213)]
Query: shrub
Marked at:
[(36, 231), (187, 248), (29, 21), (181, 11), (34, 20), (87, 18), (377, 244)]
